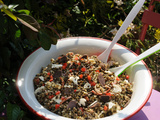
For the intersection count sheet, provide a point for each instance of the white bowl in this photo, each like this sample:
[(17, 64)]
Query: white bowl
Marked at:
[(139, 74)]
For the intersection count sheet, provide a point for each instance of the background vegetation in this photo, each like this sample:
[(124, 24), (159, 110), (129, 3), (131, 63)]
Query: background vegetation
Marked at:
[(54, 19)]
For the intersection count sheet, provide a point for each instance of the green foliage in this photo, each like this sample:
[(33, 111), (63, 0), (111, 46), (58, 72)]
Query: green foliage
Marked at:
[(45, 41), (40, 23), (14, 112)]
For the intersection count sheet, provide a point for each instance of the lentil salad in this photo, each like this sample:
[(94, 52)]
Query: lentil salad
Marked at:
[(82, 87)]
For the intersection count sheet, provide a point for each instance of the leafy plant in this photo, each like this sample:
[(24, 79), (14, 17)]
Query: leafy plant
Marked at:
[(12, 34)]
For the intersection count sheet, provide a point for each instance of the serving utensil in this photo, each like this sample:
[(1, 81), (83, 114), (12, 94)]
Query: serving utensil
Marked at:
[(119, 70), (105, 55)]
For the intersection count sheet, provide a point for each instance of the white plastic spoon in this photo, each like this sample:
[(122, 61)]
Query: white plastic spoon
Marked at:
[(104, 56), (118, 70)]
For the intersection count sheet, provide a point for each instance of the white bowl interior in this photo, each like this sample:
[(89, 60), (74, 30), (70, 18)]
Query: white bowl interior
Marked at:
[(138, 73)]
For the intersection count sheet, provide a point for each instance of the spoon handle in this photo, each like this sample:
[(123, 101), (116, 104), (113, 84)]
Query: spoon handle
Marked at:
[(142, 56), (104, 56)]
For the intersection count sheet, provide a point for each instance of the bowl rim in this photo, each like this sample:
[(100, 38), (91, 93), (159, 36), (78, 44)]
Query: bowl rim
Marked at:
[(43, 117)]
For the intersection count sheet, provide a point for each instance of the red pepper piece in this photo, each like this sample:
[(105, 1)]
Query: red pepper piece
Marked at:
[(82, 59), (94, 92), (92, 83), (81, 76), (50, 80), (87, 98), (79, 63), (127, 77), (81, 109), (89, 78), (49, 73), (75, 90), (64, 66), (117, 78), (83, 69), (59, 58), (70, 70), (76, 58), (97, 70), (51, 96), (58, 92), (105, 108), (51, 76), (108, 94), (63, 98), (57, 106)]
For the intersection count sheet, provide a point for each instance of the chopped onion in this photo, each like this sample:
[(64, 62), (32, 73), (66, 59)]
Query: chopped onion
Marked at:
[(117, 88), (56, 65), (38, 90), (41, 78)]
